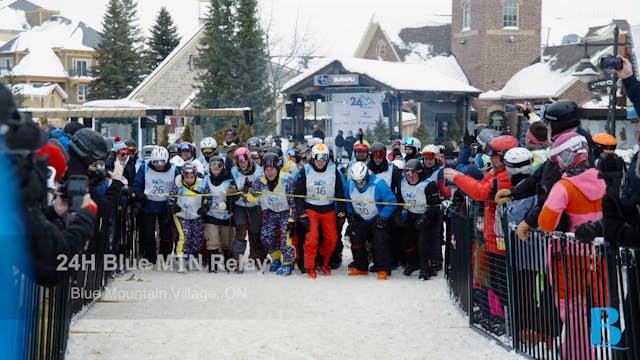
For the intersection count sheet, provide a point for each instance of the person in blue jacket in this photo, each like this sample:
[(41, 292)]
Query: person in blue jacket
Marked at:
[(153, 184), (369, 221)]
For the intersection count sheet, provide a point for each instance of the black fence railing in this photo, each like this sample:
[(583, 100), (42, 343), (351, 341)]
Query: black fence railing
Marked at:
[(549, 297), (44, 314)]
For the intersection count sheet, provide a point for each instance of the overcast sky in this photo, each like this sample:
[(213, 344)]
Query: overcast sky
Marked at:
[(556, 14)]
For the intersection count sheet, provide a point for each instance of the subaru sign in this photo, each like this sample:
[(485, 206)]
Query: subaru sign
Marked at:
[(336, 79)]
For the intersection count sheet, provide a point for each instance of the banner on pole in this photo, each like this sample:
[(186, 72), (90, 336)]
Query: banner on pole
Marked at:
[(353, 111)]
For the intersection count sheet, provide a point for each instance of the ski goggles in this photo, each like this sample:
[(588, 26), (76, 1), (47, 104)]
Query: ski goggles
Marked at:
[(378, 153), (207, 151), (242, 157), (185, 147), (269, 163), (428, 155), (324, 157), (610, 149), (216, 165)]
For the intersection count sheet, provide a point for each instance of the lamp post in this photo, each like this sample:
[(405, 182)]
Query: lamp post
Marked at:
[(586, 72)]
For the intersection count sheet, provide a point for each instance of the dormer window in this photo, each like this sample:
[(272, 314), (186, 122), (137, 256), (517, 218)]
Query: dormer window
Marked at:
[(466, 16), (510, 14), (381, 49)]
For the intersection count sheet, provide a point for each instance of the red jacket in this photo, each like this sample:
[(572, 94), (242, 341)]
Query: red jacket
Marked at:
[(481, 190)]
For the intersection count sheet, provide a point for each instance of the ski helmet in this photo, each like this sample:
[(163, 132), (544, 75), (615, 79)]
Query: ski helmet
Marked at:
[(208, 143), (253, 143), (88, 144), (501, 144), (518, 161), (271, 160), (430, 151), (358, 171), (562, 115), (159, 154), (413, 165), (569, 149), (242, 154), (216, 162), (605, 142), (320, 152), (173, 148), (378, 150)]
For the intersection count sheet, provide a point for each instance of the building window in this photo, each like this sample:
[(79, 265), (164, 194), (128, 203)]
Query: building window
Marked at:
[(466, 16), (381, 49), (83, 92), (510, 14), (80, 67), (5, 66), (497, 120)]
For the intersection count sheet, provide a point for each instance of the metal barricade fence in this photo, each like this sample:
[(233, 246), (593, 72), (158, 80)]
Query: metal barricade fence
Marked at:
[(44, 314), (544, 296)]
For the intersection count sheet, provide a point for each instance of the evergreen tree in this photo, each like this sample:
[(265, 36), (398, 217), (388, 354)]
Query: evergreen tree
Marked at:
[(380, 131), (164, 137), (117, 69), (186, 133), (164, 38), (368, 135), (136, 58), (255, 90), (422, 134), (232, 61), (216, 58), (454, 132)]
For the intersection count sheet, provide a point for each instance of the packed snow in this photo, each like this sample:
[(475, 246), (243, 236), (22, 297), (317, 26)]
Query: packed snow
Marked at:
[(199, 315)]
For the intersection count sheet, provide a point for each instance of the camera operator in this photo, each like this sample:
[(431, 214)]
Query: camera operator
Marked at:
[(46, 240), (630, 82)]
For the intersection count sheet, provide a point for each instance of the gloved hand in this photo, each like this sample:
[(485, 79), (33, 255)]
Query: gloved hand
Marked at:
[(351, 218), (397, 219), (588, 231), (202, 211), (231, 189), (421, 222), (381, 223), (503, 196), (303, 221), (174, 208), (246, 187), (522, 229), (291, 224)]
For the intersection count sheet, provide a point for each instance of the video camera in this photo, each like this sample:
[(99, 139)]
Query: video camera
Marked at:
[(610, 62), (611, 169)]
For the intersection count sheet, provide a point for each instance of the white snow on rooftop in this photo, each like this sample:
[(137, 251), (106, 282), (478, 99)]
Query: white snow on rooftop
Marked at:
[(401, 76), (57, 32), (13, 19), (536, 81), (40, 61), (37, 90), (118, 103)]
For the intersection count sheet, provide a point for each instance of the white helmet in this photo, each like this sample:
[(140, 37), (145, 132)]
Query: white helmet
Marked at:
[(358, 171), (159, 153), (518, 161), (398, 163), (412, 142), (320, 151), (431, 149), (208, 143)]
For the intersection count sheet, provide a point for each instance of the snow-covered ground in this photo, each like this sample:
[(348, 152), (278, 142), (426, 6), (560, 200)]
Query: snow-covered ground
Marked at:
[(198, 315)]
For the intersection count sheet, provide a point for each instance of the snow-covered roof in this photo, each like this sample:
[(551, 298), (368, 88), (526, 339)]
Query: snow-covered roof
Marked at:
[(58, 32), (399, 76), (40, 61), (536, 81), (118, 103), (39, 90), (13, 20)]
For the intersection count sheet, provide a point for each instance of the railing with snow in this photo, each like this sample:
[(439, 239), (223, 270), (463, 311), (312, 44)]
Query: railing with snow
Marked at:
[(544, 295)]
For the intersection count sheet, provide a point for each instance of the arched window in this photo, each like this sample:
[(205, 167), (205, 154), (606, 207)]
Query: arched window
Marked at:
[(381, 49), (497, 120), (510, 13), (466, 16)]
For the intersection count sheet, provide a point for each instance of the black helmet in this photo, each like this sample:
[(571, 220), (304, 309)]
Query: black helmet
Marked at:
[(271, 160), (173, 148), (9, 113), (131, 143), (88, 144), (562, 115), (253, 143), (413, 164)]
